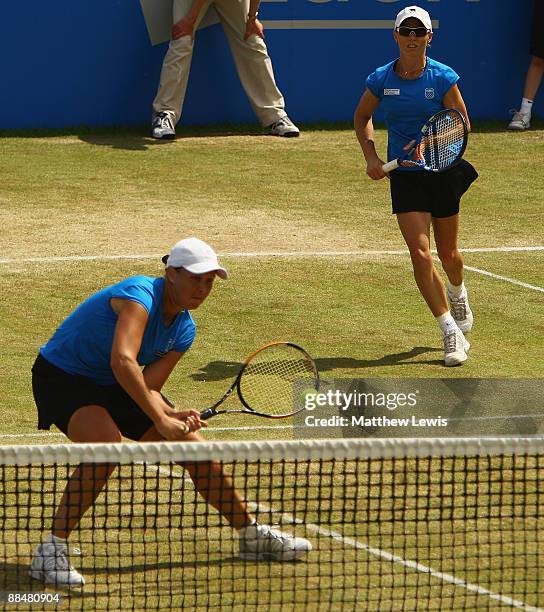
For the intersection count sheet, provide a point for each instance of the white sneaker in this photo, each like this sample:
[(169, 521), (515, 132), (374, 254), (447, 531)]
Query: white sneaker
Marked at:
[(456, 347), (461, 312), (260, 542), (50, 565), (284, 127), (162, 126), (520, 121)]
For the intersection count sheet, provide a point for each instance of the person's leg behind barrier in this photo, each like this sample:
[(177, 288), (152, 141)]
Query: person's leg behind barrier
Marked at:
[(168, 102), (254, 67)]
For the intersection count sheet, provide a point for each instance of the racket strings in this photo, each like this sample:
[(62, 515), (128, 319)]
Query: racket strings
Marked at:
[(267, 385), (444, 141)]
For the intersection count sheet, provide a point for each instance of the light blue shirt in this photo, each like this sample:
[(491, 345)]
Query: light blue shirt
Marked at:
[(408, 103), (82, 344)]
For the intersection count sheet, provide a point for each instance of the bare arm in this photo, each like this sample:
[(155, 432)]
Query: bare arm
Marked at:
[(157, 373), (364, 129), (129, 332), (454, 99)]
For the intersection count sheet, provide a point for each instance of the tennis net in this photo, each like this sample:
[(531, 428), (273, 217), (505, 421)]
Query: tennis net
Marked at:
[(395, 524)]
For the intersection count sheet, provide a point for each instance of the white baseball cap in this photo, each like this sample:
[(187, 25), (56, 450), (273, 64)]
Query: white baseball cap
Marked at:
[(418, 13), (195, 256)]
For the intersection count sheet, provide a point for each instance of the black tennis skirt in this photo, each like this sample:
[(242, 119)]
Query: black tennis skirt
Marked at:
[(438, 193), (58, 395)]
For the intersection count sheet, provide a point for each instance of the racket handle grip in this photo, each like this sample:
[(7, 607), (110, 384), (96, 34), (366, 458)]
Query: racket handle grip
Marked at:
[(167, 401), (207, 414), (390, 165)]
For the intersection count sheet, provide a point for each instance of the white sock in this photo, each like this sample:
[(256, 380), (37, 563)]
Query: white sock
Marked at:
[(456, 291), (526, 106), (446, 322)]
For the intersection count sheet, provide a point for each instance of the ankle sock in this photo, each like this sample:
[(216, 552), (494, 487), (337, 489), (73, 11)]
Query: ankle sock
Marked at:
[(446, 322), (526, 106), (456, 291)]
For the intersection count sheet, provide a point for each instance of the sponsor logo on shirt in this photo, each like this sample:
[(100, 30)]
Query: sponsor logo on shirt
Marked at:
[(429, 93), (391, 92), (169, 347)]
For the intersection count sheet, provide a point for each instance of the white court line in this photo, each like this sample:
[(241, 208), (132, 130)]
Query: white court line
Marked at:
[(55, 434), (507, 279), (499, 417), (299, 254), (257, 254), (383, 554), (47, 434), (424, 569), (502, 417), (419, 567)]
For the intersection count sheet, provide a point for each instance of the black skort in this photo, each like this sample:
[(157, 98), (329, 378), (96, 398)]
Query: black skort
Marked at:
[(438, 193), (58, 395)]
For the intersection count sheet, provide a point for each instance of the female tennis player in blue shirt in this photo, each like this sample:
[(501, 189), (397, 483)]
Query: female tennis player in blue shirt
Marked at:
[(410, 90), (88, 380)]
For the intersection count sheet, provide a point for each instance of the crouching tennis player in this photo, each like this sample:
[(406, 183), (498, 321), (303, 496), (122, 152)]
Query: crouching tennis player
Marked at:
[(88, 381)]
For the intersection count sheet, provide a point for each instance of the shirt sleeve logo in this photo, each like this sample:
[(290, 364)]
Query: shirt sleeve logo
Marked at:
[(429, 93), (391, 92)]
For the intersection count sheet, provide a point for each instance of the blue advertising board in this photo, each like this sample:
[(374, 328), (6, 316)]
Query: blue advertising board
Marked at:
[(91, 62)]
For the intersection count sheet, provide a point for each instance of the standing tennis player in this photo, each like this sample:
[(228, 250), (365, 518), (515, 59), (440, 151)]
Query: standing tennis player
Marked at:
[(410, 90), (88, 381)]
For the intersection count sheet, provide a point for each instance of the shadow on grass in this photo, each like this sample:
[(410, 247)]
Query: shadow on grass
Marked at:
[(137, 138), (140, 140), (221, 370), (15, 577), (329, 364), (134, 138)]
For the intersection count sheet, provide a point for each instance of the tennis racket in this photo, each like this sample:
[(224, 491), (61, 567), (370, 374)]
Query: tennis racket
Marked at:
[(441, 143), (265, 382)]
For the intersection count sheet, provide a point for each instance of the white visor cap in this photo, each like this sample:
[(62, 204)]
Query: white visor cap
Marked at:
[(195, 256), (418, 13)]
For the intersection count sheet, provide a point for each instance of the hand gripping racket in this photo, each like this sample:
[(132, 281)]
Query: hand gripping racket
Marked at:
[(266, 382), (441, 143)]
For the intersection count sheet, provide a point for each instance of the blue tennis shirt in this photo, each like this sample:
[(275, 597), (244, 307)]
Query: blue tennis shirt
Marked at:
[(408, 103), (82, 344)]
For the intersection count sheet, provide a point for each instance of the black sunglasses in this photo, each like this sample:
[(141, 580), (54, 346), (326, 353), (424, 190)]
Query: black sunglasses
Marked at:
[(406, 31)]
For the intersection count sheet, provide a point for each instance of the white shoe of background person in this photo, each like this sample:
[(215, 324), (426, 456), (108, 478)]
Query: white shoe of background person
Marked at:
[(520, 121), (460, 311), (162, 126), (260, 542), (283, 127), (456, 347), (50, 564)]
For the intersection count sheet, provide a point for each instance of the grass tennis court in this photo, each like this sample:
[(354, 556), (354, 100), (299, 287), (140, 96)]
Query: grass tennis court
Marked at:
[(104, 194)]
